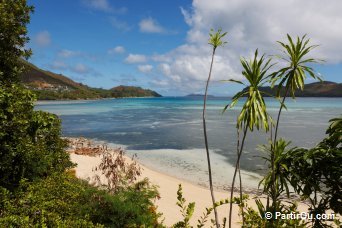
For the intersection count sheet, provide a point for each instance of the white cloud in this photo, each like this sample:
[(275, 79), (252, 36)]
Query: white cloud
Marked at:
[(78, 68), (160, 58), (43, 39), (259, 23), (250, 24), (135, 58), (104, 5), (81, 69), (145, 68), (58, 65), (116, 50), (120, 25), (98, 4), (65, 53), (150, 25)]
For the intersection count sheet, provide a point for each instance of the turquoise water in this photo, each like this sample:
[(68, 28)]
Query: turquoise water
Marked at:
[(166, 133)]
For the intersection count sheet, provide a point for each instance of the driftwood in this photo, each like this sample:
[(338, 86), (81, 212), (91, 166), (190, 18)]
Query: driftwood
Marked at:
[(83, 146)]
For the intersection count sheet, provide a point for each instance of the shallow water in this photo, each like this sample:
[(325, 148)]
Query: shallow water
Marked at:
[(166, 133)]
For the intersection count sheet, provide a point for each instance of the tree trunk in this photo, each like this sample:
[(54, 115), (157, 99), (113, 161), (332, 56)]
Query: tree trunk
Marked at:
[(237, 165), (206, 141), (274, 194)]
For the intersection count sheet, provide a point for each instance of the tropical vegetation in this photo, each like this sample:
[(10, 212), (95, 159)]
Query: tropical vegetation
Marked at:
[(39, 189), (215, 41), (37, 186), (47, 85)]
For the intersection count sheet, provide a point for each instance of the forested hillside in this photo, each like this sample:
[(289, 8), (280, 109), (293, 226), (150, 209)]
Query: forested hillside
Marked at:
[(51, 86)]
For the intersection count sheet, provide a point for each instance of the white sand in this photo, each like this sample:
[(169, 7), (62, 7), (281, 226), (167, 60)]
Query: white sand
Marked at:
[(168, 187)]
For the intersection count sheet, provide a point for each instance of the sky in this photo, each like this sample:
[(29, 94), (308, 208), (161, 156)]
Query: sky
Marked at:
[(163, 45)]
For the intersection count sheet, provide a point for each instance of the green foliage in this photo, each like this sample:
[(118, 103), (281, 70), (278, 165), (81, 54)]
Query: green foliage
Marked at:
[(215, 39), (315, 173), (132, 91), (334, 138), (30, 144), (51, 86), (294, 74), (204, 218), (256, 219), (132, 207), (64, 201), (94, 93), (65, 95), (279, 167), (30, 141), (15, 15), (34, 190), (253, 112), (186, 210)]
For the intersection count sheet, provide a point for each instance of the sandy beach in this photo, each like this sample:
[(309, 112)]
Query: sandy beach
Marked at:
[(167, 187)]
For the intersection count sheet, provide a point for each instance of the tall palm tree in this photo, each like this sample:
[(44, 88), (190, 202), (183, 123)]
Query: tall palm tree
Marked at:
[(215, 41), (253, 113), (294, 74), (292, 77)]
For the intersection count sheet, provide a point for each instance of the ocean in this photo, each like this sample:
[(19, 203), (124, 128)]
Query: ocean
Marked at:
[(167, 135)]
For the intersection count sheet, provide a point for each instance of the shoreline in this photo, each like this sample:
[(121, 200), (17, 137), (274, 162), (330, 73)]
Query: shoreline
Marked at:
[(221, 189), (91, 99), (219, 186), (113, 98), (167, 187)]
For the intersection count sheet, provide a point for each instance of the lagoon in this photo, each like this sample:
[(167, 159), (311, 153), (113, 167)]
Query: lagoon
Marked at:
[(166, 133)]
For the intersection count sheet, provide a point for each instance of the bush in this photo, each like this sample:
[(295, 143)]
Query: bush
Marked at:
[(65, 201), (30, 143)]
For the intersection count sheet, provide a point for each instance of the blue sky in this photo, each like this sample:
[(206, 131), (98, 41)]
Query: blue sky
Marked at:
[(162, 45)]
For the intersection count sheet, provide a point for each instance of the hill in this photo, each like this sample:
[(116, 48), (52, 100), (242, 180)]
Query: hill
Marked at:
[(316, 89), (50, 86), (132, 91), (195, 95)]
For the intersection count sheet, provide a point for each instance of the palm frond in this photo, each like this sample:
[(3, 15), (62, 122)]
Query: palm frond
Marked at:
[(253, 113), (294, 75)]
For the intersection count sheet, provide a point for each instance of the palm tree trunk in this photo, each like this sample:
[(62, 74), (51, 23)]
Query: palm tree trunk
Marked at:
[(240, 180), (274, 195), (271, 140), (237, 165), (206, 140)]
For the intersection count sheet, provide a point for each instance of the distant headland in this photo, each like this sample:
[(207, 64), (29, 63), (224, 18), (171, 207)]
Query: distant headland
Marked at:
[(51, 86), (315, 89)]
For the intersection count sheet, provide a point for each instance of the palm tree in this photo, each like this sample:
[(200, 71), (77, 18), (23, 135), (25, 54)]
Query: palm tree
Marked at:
[(215, 41), (292, 76), (253, 113)]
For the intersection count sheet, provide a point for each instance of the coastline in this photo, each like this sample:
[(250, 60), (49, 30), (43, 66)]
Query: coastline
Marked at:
[(167, 187), (39, 102)]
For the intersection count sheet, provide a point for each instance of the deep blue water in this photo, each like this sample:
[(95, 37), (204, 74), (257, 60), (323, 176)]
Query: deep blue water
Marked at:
[(159, 128)]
